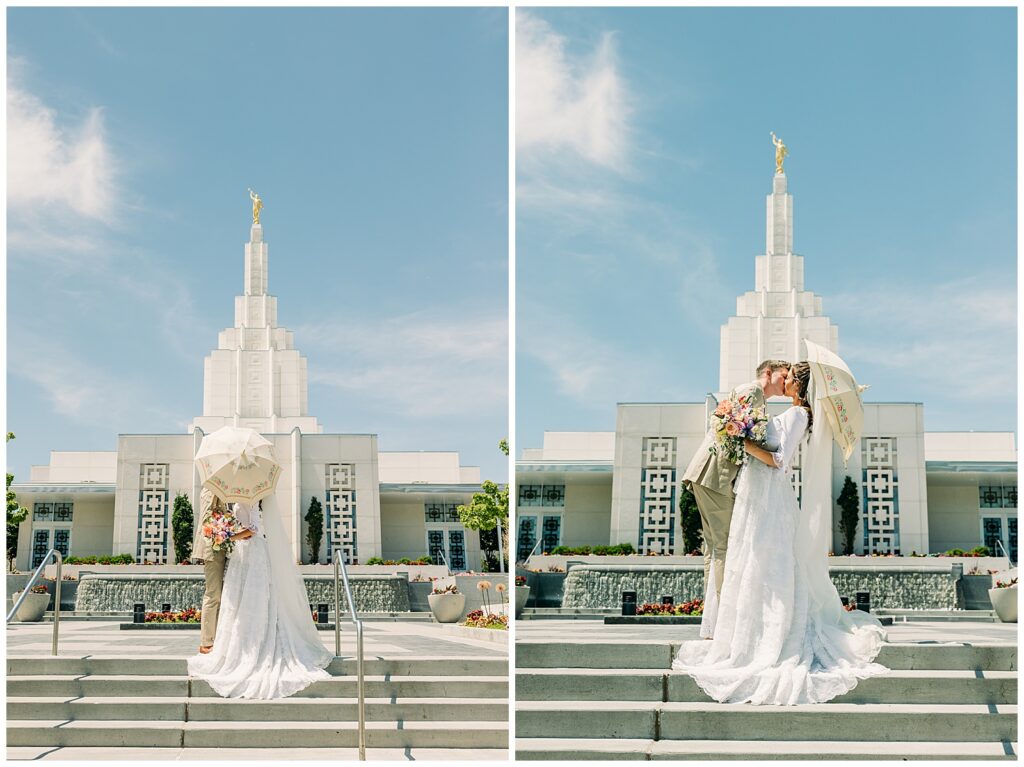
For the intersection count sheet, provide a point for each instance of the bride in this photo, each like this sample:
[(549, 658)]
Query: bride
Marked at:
[(780, 633), (267, 645)]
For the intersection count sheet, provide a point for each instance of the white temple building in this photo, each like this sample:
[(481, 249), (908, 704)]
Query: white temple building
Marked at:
[(921, 492), (375, 504)]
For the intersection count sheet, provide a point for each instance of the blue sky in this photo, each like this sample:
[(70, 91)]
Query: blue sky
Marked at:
[(378, 140), (643, 161)]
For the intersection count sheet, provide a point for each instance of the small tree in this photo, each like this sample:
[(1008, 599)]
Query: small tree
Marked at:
[(489, 510), (182, 525), (849, 503), (16, 514), (315, 531), (689, 517)]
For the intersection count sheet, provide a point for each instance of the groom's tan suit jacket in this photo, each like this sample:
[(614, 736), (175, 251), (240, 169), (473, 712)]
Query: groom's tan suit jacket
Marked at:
[(716, 472)]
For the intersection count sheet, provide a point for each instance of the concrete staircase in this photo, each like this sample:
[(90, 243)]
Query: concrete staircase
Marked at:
[(411, 703), (608, 700)]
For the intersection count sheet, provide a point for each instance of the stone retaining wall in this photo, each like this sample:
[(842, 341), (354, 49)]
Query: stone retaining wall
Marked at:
[(601, 586)]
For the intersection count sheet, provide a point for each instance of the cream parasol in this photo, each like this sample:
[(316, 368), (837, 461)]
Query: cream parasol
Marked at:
[(838, 393), (238, 465)]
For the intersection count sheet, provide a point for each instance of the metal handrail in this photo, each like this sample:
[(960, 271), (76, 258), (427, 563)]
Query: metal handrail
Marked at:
[(360, 687), (444, 559), (56, 593), (532, 551), (1006, 554)]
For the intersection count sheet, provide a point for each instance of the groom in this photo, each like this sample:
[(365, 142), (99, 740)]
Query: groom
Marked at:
[(214, 563), (710, 476)]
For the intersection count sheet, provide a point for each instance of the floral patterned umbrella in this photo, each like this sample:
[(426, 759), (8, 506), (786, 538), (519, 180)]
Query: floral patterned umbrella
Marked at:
[(238, 465), (839, 395)]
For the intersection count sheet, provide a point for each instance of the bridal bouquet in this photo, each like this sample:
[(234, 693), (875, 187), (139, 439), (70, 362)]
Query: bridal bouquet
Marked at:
[(218, 527), (735, 420)]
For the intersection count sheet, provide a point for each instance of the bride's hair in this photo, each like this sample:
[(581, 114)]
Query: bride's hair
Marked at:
[(802, 376)]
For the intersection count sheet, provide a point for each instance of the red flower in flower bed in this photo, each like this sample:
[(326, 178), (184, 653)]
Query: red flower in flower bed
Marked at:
[(191, 615), (693, 607)]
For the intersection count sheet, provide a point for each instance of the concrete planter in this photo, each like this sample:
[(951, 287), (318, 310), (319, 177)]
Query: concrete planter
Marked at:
[(1004, 602), (522, 594), (447, 608), (32, 608)]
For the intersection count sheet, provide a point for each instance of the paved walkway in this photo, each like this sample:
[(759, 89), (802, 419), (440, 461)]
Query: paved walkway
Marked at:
[(390, 639), (911, 631)]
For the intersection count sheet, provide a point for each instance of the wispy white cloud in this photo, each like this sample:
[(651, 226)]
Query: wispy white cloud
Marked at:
[(55, 165), (84, 392), (593, 371), (957, 336), (421, 365), (566, 103)]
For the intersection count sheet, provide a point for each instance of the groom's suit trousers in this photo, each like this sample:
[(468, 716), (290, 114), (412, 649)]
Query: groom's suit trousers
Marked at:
[(715, 516), (214, 563)]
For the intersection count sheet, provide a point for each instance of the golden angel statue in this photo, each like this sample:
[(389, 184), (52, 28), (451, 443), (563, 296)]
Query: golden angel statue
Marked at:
[(257, 206), (780, 152)]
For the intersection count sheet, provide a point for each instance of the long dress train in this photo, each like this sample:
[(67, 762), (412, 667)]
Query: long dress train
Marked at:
[(259, 650), (774, 641)]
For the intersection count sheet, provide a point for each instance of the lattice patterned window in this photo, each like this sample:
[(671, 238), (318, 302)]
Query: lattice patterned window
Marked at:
[(881, 508), (1011, 524), (154, 508), (51, 522), (658, 496), (445, 534), (551, 532), (441, 512), (435, 546), (992, 534), (527, 537), (456, 550), (542, 495), (340, 519), (997, 496)]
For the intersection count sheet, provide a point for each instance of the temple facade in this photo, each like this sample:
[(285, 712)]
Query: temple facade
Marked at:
[(920, 492), (375, 503)]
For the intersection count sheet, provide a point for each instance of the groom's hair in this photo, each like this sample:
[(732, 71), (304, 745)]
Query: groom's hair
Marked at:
[(772, 365)]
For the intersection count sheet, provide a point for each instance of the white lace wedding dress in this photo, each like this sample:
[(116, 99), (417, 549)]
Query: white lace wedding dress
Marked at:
[(780, 633), (266, 646)]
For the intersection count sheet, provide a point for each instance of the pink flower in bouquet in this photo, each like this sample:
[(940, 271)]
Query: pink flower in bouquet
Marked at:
[(724, 408), (733, 429)]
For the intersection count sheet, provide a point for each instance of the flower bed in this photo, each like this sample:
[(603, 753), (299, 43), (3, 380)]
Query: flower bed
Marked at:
[(478, 619), (693, 607), (1012, 583), (403, 561), (191, 615)]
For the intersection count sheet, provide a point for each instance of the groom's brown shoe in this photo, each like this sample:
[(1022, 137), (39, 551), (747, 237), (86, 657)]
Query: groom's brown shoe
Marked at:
[(205, 650)]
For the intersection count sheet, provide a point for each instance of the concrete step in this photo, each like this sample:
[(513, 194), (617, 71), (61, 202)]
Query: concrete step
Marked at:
[(377, 686), (205, 755), (183, 709), (655, 654), (531, 749), (706, 721), (282, 735), (163, 666), (937, 687)]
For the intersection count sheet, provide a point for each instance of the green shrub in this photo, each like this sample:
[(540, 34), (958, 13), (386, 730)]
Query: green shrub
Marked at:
[(619, 549), (314, 529), (374, 561), (182, 526), (980, 551), (119, 559)]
